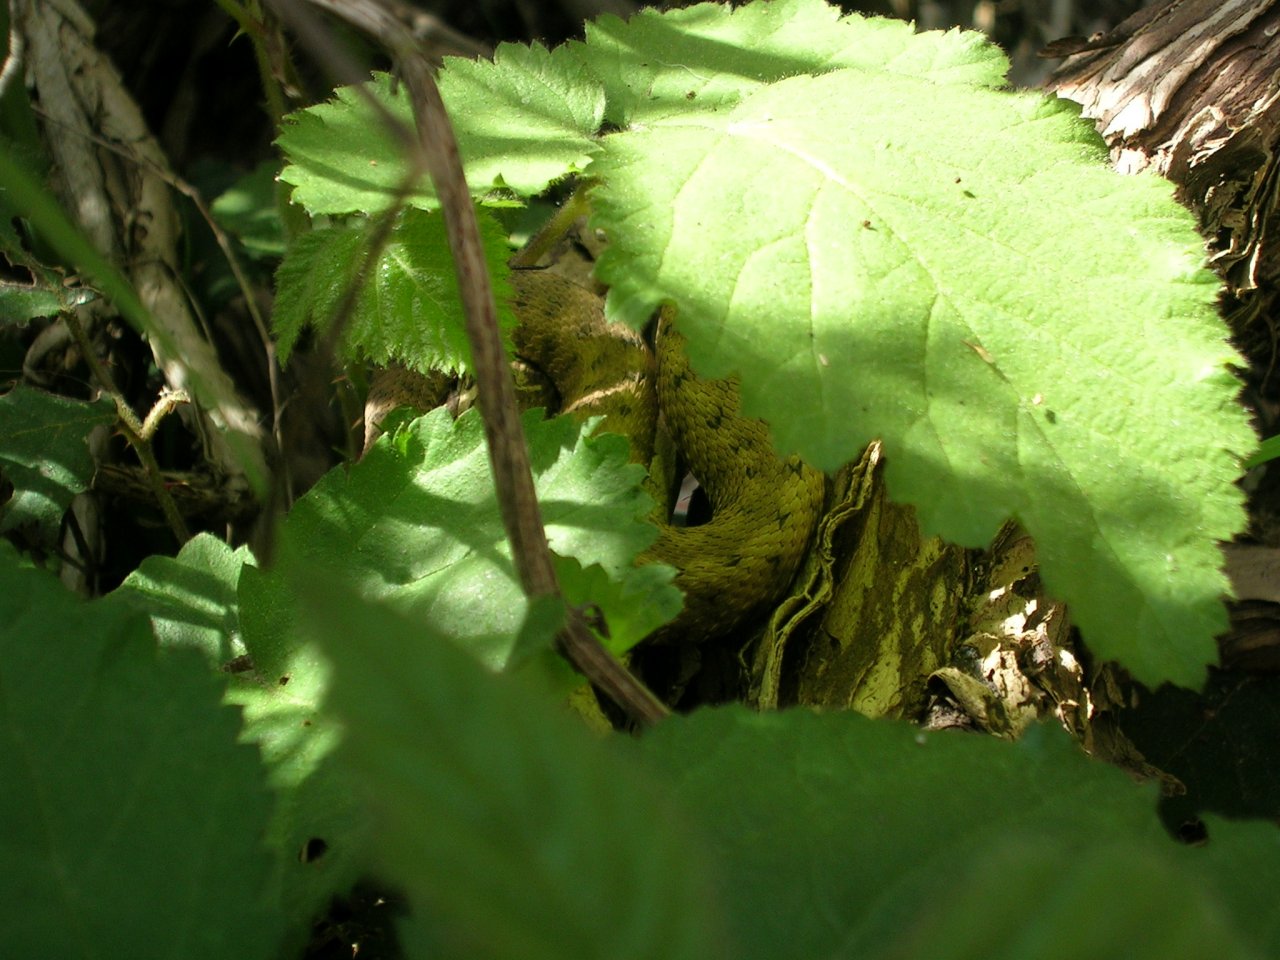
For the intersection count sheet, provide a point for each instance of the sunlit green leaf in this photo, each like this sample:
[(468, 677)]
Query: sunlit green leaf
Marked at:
[(522, 121), (416, 521), (705, 57), (408, 308), (955, 270)]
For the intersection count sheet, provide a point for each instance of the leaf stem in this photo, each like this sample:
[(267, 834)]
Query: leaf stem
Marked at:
[(542, 242)]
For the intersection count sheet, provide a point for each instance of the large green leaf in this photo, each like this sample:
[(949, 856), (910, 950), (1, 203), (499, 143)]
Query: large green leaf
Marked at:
[(320, 827), (191, 598), (20, 302), (133, 819), (954, 269), (408, 308), (498, 813), (44, 454), (844, 836), (200, 599)]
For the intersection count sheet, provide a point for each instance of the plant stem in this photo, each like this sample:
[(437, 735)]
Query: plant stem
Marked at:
[(137, 433), (437, 147), (541, 243)]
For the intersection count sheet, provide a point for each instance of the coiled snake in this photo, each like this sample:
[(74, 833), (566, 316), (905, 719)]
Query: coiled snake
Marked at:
[(763, 507)]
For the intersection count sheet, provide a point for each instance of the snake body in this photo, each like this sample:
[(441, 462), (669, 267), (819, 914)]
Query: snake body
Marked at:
[(764, 507)]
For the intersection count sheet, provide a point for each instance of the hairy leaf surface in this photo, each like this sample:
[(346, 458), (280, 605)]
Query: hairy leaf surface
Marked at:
[(417, 521), (408, 308), (191, 598), (845, 836), (522, 121), (954, 270), (705, 57)]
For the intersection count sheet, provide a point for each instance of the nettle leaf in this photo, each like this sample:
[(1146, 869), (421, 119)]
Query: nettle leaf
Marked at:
[(318, 830), (845, 836), (502, 818), (44, 454), (408, 308), (191, 598), (955, 270), (416, 521), (523, 121), (636, 604), (707, 56), (132, 814)]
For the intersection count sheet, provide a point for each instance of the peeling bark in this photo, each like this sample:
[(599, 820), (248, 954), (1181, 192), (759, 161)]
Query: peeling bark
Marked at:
[(1189, 89)]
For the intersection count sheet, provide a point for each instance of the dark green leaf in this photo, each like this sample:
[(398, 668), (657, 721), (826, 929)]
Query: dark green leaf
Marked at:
[(850, 837), (133, 818), (408, 308), (248, 211), (498, 812), (44, 453)]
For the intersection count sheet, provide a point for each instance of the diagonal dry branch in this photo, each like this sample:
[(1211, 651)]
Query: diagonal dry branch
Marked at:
[(436, 149), (120, 199)]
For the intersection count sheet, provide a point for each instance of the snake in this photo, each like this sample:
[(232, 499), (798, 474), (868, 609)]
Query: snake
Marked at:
[(764, 507)]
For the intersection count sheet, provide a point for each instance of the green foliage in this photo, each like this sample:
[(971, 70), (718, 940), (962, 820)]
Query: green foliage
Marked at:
[(247, 210), (20, 302), (408, 309), (496, 810), (704, 58), (416, 522), (191, 598), (523, 121), (953, 265), (194, 601), (938, 274), (44, 454), (843, 211), (133, 818), (1269, 449), (949, 845)]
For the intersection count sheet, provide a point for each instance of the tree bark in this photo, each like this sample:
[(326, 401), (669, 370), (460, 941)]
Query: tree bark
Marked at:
[(1188, 89)]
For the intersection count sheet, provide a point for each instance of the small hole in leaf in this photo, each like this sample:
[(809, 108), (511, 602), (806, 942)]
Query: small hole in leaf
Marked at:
[(312, 850), (1193, 832)]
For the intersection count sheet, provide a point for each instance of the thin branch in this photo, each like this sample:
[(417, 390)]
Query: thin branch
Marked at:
[(437, 147), (132, 428)]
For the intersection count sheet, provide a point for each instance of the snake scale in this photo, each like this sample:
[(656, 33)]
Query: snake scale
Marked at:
[(763, 507)]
